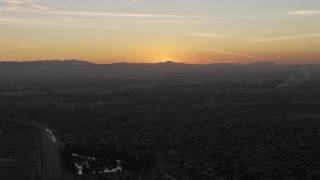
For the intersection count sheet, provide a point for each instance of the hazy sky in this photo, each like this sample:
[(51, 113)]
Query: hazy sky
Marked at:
[(192, 31)]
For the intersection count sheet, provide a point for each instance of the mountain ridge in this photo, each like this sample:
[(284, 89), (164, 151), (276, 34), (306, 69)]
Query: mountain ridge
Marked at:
[(85, 62), (71, 69)]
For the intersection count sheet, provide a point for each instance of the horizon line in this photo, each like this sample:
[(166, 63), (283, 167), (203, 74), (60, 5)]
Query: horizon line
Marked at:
[(174, 62)]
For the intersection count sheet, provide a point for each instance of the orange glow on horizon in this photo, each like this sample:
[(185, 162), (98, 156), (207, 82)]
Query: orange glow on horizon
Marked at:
[(148, 33)]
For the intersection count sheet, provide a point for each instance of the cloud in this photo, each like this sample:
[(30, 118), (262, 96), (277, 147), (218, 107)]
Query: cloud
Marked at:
[(12, 1), (18, 1), (206, 35), (21, 22), (114, 17), (36, 7), (230, 53), (11, 7), (284, 38), (39, 7), (97, 19), (16, 5), (85, 13), (157, 21), (305, 12)]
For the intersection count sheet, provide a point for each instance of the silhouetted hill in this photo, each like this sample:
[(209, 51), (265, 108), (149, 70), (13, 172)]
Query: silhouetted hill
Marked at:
[(49, 62), (71, 69)]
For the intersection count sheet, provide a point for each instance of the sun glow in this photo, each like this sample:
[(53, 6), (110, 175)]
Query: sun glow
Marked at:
[(113, 31), (165, 58)]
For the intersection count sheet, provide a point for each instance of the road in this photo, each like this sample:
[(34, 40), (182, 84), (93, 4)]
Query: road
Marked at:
[(51, 164), (49, 168), (50, 154)]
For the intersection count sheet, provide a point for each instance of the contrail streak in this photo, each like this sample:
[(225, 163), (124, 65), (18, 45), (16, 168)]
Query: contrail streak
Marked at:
[(230, 53)]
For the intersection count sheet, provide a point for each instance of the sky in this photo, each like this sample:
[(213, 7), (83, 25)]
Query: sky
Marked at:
[(148, 31)]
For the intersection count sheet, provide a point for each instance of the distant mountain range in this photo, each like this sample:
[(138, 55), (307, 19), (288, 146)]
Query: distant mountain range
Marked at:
[(56, 69)]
